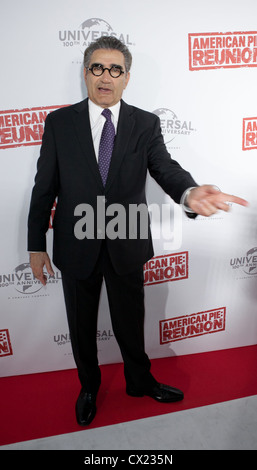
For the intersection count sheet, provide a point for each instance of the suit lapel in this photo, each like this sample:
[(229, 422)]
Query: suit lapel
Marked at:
[(123, 135), (84, 135), (124, 131)]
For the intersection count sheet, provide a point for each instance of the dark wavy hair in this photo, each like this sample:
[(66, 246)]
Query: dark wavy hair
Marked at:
[(108, 42)]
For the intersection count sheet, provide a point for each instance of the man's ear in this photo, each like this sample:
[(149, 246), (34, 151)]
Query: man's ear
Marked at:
[(85, 74), (127, 79)]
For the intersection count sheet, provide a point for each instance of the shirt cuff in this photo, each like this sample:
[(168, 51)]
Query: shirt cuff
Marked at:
[(183, 200)]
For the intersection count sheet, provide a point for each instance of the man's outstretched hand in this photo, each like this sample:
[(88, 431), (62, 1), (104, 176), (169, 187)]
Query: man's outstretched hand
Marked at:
[(207, 200), (37, 262)]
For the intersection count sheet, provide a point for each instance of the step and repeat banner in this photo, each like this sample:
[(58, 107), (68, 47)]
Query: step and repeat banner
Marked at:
[(195, 66)]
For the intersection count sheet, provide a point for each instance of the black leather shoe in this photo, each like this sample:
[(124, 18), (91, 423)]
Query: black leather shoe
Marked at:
[(159, 392), (85, 408)]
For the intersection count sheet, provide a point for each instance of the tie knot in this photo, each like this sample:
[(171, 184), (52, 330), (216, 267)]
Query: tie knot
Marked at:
[(107, 114)]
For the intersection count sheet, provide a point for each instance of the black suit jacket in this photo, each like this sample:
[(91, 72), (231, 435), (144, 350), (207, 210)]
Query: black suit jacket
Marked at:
[(67, 169)]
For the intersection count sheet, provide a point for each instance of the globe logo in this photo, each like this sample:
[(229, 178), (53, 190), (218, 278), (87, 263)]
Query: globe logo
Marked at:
[(251, 261), (92, 29), (167, 118), (171, 126), (25, 282)]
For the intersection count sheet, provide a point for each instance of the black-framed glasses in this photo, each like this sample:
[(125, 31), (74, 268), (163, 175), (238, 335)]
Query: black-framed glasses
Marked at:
[(97, 69)]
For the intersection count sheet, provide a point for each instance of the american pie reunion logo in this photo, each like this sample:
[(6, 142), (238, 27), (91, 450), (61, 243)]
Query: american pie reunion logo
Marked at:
[(191, 326), (19, 127), (166, 268), (5, 343), (222, 50), (250, 133)]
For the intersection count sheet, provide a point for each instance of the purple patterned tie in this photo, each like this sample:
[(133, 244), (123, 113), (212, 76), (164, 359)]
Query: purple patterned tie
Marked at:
[(106, 145)]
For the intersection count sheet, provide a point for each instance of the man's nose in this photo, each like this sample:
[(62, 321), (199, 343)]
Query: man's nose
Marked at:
[(106, 75)]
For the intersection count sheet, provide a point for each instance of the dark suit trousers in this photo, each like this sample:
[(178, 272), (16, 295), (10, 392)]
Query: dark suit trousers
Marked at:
[(126, 303)]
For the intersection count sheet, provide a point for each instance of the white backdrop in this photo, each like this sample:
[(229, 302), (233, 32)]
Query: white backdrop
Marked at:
[(207, 298)]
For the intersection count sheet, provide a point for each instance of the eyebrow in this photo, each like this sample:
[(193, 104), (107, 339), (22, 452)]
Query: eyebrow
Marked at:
[(112, 65)]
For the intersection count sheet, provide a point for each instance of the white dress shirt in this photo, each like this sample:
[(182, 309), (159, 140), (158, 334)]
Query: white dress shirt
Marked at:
[(97, 121)]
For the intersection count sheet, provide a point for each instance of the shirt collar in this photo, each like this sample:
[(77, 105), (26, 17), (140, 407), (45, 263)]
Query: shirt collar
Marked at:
[(95, 111)]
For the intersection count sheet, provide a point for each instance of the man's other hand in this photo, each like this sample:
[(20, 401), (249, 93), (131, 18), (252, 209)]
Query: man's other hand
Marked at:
[(37, 263)]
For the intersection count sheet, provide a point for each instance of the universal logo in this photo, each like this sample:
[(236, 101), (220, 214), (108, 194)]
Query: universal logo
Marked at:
[(24, 282), (246, 263), (89, 31), (172, 125), (64, 338), (104, 335)]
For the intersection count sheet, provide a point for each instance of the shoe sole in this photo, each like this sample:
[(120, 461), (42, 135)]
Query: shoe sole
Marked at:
[(161, 400)]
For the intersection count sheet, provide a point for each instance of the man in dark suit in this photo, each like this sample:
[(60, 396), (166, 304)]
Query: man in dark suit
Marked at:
[(71, 166)]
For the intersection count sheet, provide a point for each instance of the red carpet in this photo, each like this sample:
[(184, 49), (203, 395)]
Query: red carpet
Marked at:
[(42, 405)]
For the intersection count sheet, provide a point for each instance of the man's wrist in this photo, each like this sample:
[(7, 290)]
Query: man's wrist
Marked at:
[(184, 199)]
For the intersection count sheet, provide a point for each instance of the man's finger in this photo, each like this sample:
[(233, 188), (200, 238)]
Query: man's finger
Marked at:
[(39, 274), (235, 199), (43, 279), (223, 206), (49, 267)]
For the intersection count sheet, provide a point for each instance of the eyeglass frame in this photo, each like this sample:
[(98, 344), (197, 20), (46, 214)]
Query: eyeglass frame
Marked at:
[(106, 68)]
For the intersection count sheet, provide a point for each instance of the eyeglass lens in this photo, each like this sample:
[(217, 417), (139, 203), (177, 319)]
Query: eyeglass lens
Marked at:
[(115, 71)]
